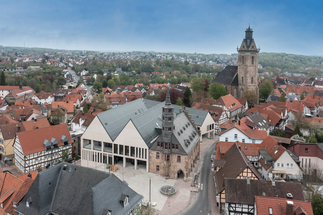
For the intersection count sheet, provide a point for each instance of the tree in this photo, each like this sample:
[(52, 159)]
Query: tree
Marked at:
[(302, 96), (97, 86), (317, 204), (38, 88), (111, 83), (265, 89), (251, 97), (282, 97), (104, 83), (279, 133), (297, 130), (312, 139), (65, 155), (217, 90), (179, 101), (61, 81), (2, 79), (187, 97), (86, 107), (197, 84)]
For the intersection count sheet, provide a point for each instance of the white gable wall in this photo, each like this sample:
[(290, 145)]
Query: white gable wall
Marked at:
[(240, 136), (288, 162)]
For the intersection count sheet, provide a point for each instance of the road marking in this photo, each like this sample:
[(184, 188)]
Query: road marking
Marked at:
[(201, 186)]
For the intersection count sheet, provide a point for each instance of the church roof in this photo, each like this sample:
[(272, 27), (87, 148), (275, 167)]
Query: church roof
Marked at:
[(228, 76)]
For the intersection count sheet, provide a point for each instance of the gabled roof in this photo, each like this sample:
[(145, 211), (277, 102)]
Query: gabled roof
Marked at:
[(271, 116), (215, 111), (228, 101), (240, 192), (72, 189), (33, 141), (228, 76), (235, 163), (35, 124), (254, 134), (278, 206), (87, 117), (271, 146), (9, 130), (68, 106), (5, 119), (249, 149)]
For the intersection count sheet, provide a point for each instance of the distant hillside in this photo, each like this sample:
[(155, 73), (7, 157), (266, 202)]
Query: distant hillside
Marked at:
[(289, 62)]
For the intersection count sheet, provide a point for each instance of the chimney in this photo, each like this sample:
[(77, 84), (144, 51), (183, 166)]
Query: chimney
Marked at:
[(289, 207), (248, 180), (29, 175)]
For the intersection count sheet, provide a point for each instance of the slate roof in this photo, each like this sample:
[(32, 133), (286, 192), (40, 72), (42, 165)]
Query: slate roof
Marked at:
[(72, 189), (238, 191), (228, 76)]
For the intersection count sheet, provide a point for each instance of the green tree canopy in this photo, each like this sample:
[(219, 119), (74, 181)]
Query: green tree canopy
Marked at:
[(179, 101), (2, 79), (104, 83), (297, 130), (317, 204), (97, 86), (217, 90), (279, 133), (312, 139), (302, 96), (282, 97), (265, 89), (111, 83), (197, 84), (187, 97), (38, 88)]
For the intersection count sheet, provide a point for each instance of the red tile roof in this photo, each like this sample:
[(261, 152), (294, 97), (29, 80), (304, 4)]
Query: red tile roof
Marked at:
[(229, 101), (271, 116), (33, 141), (278, 206), (35, 124), (68, 106), (255, 134)]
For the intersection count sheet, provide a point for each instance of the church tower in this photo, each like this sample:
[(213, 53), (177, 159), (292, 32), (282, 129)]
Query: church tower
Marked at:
[(168, 121), (248, 64)]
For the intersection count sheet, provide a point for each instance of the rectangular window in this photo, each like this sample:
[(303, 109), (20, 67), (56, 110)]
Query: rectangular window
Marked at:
[(162, 145), (277, 164), (253, 141), (157, 155), (166, 145), (302, 162), (226, 139), (173, 146), (306, 150), (291, 165), (170, 110), (282, 164), (169, 118), (178, 159), (167, 157), (158, 143), (243, 140), (157, 168), (169, 129), (305, 162), (176, 146), (309, 162), (235, 136), (287, 165)]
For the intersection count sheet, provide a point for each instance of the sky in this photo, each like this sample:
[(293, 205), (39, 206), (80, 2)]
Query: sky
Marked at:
[(185, 26)]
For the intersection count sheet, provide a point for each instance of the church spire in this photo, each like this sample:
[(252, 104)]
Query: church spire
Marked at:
[(167, 101)]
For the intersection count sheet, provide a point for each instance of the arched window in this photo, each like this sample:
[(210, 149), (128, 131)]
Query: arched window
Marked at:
[(242, 79), (252, 80), (242, 59), (252, 59)]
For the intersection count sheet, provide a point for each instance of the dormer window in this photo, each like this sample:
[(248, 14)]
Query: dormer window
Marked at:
[(28, 202), (124, 200)]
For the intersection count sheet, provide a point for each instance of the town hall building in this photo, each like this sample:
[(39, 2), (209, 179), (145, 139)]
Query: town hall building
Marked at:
[(238, 79)]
